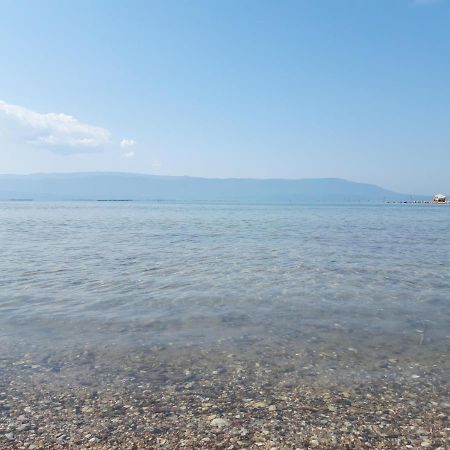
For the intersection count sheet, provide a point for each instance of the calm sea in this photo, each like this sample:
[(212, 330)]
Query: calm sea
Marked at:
[(349, 286)]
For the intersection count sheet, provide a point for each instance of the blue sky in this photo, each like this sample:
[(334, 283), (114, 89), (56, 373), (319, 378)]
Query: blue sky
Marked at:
[(357, 89)]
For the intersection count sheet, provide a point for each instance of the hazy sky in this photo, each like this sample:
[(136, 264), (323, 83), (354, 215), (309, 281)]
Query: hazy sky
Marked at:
[(358, 89)]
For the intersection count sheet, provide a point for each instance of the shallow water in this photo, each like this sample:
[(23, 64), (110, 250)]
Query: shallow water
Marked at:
[(373, 278), (135, 325)]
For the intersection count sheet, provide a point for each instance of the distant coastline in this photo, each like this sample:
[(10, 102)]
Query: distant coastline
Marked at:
[(106, 186)]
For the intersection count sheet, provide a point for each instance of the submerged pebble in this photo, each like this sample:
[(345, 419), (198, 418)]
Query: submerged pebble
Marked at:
[(219, 422)]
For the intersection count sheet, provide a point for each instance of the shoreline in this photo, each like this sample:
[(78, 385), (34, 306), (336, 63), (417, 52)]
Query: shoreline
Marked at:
[(420, 202), (211, 398)]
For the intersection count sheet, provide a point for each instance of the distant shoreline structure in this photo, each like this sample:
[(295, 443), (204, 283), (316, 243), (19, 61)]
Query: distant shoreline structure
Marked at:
[(422, 202), (438, 199)]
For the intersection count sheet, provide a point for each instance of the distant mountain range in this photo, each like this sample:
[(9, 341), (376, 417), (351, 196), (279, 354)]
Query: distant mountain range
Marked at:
[(127, 186)]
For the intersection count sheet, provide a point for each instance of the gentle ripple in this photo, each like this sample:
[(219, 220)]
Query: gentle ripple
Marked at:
[(76, 272)]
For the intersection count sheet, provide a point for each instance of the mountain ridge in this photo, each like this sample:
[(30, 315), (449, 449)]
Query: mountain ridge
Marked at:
[(136, 186)]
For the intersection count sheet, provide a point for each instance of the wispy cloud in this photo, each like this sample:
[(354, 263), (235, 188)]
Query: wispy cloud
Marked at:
[(128, 154), (125, 143), (55, 131)]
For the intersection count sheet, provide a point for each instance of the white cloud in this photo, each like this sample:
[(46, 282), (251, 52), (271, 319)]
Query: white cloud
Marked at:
[(156, 165), (55, 131), (128, 154), (125, 143)]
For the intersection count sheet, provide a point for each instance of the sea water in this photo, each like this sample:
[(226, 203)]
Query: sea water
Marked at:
[(345, 287)]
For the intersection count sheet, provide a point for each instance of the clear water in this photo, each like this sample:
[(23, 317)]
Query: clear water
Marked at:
[(345, 286)]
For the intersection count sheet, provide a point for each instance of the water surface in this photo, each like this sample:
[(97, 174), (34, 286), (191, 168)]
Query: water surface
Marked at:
[(115, 294)]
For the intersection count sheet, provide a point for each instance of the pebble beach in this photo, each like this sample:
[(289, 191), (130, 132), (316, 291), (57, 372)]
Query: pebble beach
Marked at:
[(216, 398)]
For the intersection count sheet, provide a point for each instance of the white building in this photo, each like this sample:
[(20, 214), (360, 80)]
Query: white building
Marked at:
[(439, 198)]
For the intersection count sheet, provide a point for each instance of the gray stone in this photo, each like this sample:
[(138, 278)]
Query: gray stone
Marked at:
[(219, 422)]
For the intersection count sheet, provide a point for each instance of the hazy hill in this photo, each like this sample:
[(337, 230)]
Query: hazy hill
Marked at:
[(96, 186)]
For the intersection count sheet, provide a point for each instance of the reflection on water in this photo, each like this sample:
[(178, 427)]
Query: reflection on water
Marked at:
[(148, 292)]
